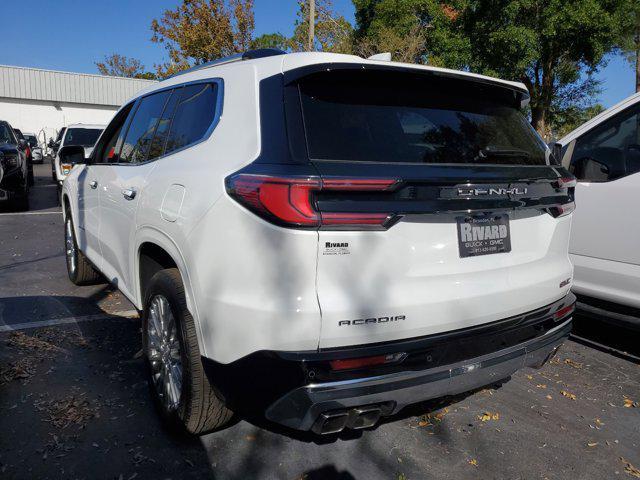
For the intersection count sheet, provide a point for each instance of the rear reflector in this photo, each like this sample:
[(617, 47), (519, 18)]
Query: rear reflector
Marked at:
[(289, 201), (564, 311), (353, 363)]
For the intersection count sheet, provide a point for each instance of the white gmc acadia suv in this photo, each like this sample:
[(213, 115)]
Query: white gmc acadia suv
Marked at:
[(325, 239)]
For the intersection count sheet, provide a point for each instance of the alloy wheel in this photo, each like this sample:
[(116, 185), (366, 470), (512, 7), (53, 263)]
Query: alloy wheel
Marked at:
[(164, 352)]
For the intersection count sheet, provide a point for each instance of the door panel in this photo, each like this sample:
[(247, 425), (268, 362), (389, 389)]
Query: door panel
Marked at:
[(88, 221), (119, 220), (605, 223)]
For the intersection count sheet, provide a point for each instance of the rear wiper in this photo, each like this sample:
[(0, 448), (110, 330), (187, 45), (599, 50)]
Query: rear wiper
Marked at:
[(491, 151)]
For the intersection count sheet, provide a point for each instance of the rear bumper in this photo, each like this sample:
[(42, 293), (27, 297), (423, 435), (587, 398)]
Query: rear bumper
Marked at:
[(297, 389), (300, 408)]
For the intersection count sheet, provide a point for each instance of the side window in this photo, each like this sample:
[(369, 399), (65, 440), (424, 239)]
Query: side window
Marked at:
[(610, 150), (195, 112), (142, 127), (160, 138), (108, 147)]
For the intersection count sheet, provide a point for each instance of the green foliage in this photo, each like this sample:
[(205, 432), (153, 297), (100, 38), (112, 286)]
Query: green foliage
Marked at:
[(443, 42), (270, 40), (550, 45), (333, 33), (566, 120)]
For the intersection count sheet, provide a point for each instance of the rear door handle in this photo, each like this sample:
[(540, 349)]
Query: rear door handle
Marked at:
[(129, 193), (93, 184)]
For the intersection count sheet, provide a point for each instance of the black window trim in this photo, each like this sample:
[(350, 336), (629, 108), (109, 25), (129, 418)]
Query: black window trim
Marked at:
[(634, 108), (136, 103)]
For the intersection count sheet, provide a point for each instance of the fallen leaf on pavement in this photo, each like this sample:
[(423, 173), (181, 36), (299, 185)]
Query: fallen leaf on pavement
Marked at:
[(541, 385), (592, 444), (486, 416), (568, 395), (628, 403), (573, 363), (630, 469), (473, 462), (549, 397)]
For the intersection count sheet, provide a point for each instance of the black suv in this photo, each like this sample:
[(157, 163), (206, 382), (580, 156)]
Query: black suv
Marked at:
[(14, 171)]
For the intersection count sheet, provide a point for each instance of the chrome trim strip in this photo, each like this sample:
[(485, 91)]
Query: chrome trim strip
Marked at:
[(475, 362)]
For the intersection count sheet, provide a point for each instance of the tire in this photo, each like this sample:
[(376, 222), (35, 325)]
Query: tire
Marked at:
[(197, 408), (79, 268)]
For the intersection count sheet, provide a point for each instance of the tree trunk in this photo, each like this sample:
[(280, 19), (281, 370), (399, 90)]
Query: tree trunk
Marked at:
[(538, 119), (638, 62)]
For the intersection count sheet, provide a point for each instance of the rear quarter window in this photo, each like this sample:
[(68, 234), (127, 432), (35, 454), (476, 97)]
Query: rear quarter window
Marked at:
[(194, 115)]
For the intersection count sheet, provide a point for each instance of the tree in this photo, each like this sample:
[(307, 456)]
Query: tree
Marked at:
[(120, 66), (333, 33), (549, 45), (270, 40), (630, 36), (418, 31), (199, 31), (552, 46)]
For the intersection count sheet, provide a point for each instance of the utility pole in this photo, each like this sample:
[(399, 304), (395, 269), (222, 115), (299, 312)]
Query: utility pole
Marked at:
[(312, 25), (637, 42)]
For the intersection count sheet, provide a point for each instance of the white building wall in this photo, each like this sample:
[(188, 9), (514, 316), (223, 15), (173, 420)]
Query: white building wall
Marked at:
[(45, 118)]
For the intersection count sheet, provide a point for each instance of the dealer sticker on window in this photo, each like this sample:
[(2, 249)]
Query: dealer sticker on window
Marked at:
[(483, 235)]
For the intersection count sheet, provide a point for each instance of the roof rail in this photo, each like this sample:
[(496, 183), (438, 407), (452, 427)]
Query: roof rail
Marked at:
[(238, 57)]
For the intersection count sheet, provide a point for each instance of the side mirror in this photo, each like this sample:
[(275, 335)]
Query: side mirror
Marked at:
[(50, 144), (71, 155), (22, 143)]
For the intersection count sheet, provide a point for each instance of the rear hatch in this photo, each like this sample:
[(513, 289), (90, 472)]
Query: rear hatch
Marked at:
[(440, 206)]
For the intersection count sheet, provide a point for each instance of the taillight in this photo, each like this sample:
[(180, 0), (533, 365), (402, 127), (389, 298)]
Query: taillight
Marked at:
[(289, 201), (567, 182), (562, 210)]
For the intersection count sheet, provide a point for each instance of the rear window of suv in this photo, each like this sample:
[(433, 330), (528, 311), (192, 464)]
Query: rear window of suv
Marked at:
[(85, 137), (384, 116)]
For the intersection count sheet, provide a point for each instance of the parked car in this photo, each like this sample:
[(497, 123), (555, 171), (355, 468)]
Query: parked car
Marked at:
[(14, 171), (604, 155), (54, 145), (407, 240), (27, 151), (36, 150), (76, 134)]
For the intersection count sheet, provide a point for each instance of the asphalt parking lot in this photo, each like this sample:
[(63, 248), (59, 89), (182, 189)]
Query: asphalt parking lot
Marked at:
[(74, 402)]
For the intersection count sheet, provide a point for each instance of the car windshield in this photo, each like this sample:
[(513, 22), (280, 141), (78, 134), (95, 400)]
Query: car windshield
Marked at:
[(32, 140), (385, 116), (86, 137), (5, 135)]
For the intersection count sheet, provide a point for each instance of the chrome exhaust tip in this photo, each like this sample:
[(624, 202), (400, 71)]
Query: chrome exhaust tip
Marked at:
[(330, 422), (364, 417)]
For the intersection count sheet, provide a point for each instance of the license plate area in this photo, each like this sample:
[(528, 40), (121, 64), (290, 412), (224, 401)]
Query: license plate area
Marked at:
[(483, 235)]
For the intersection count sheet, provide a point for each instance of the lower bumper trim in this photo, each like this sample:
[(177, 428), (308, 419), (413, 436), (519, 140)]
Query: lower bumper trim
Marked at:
[(300, 408)]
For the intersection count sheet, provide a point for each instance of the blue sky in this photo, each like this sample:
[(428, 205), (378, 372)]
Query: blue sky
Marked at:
[(78, 33)]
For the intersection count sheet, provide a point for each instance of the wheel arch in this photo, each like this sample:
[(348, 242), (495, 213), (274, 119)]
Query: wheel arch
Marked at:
[(154, 251)]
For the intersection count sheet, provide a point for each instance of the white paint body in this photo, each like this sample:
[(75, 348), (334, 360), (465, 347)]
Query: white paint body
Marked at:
[(252, 286), (605, 239)]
